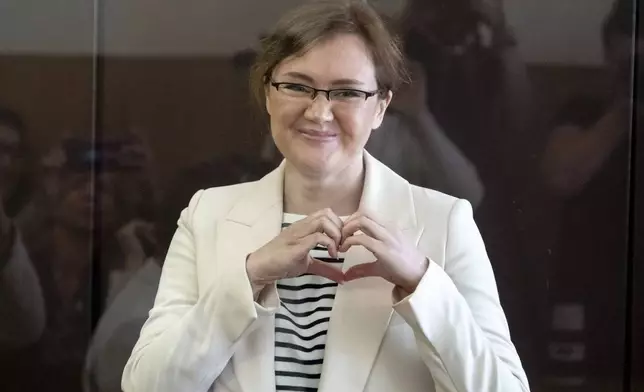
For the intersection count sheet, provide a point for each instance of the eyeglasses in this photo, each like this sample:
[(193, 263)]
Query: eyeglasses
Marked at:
[(342, 95)]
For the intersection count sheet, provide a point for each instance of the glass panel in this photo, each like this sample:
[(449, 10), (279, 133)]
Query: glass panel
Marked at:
[(46, 184), (177, 117), (520, 108)]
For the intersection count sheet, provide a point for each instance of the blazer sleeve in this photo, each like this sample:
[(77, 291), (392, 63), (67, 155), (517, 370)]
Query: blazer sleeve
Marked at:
[(189, 336), (455, 312)]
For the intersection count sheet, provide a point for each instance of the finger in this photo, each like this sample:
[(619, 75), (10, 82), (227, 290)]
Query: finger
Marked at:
[(327, 226), (368, 226), (325, 270), (362, 271), (371, 244), (315, 239), (318, 222), (332, 216)]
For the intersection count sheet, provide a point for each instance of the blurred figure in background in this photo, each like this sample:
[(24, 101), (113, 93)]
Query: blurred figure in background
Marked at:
[(138, 202), (121, 323), (585, 164), (60, 233), (477, 84), (477, 90), (413, 144), (22, 312)]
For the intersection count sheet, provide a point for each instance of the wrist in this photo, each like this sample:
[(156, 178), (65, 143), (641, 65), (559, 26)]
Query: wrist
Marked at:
[(411, 286), (256, 284)]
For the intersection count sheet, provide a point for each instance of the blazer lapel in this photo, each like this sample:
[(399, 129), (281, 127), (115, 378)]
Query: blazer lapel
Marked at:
[(363, 308), (254, 220)]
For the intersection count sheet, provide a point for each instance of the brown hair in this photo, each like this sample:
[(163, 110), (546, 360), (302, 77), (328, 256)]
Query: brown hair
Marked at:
[(307, 25)]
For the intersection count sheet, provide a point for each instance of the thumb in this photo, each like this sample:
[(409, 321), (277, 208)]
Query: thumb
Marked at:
[(362, 271), (325, 270)]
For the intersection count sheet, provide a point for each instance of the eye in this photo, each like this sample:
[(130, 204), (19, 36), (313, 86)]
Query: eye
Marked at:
[(348, 94), (296, 88)]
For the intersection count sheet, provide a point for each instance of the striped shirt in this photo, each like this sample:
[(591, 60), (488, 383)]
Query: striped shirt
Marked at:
[(301, 324)]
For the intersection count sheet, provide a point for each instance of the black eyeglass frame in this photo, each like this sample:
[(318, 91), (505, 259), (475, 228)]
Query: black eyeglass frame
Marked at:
[(327, 93)]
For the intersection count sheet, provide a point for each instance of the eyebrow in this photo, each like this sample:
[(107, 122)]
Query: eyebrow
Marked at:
[(338, 82)]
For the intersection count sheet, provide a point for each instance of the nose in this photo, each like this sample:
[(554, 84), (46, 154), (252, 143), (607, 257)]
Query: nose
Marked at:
[(319, 110)]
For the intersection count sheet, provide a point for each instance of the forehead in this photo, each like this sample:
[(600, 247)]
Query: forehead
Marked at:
[(343, 56), (8, 135)]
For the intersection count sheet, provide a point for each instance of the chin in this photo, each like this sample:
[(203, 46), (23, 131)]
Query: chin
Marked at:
[(310, 164), (308, 157)]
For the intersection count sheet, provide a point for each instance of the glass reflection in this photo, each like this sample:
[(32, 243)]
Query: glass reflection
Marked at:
[(21, 301), (585, 166)]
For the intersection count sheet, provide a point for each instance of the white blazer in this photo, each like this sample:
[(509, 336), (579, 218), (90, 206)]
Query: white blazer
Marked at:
[(206, 332)]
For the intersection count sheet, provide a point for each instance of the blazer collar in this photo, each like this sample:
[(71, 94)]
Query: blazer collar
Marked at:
[(385, 195)]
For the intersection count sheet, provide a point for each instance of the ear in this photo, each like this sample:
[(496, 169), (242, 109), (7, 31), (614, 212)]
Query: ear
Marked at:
[(383, 104), (267, 100)]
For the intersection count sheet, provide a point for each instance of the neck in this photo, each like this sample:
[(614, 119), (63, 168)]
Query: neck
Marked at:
[(339, 191)]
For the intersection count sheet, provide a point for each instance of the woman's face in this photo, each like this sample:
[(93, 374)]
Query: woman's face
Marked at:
[(317, 136)]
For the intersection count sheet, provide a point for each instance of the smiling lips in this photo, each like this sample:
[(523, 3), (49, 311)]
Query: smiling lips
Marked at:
[(320, 136)]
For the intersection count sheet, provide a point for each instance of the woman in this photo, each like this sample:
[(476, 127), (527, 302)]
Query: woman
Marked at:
[(246, 306)]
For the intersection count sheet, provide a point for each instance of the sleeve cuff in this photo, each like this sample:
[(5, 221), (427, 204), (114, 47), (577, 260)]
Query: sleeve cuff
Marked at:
[(268, 301), (401, 298), (434, 304)]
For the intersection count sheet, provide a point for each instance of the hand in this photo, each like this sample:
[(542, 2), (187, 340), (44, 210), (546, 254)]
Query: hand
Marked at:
[(287, 255), (397, 258), (130, 238), (411, 98)]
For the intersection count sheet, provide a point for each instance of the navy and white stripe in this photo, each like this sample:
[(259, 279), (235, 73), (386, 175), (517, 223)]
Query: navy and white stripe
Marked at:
[(301, 324)]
